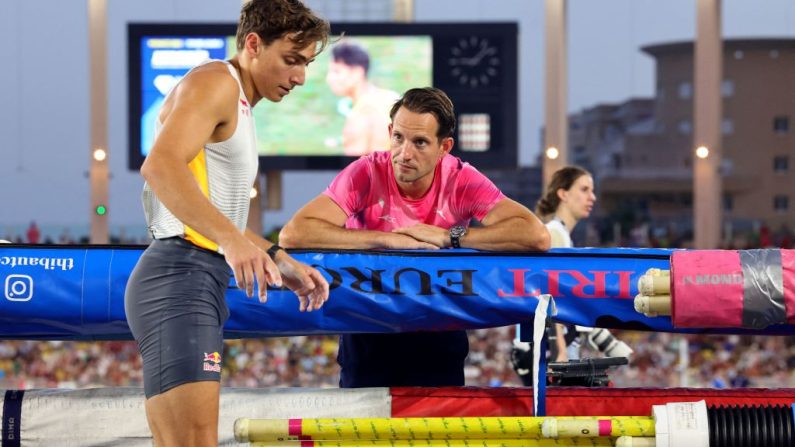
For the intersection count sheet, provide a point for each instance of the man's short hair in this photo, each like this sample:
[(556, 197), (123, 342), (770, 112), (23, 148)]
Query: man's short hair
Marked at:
[(429, 100), (273, 19), (352, 55)]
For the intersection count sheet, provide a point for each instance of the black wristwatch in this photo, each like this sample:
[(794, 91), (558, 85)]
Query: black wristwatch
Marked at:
[(456, 233), (272, 251)]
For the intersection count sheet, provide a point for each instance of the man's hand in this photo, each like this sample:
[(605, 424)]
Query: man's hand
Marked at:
[(250, 263), (398, 241), (310, 286), (430, 234)]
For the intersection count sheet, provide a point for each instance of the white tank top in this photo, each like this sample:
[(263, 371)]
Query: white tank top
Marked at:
[(559, 234), (225, 172)]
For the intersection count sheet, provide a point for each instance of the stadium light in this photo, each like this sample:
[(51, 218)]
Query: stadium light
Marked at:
[(100, 154)]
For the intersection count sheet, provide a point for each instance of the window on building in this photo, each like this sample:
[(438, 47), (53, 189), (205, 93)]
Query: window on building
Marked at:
[(728, 202), (726, 166), (781, 203), (580, 157), (685, 127), (780, 164), (781, 124), (727, 88), (727, 126), (616, 161), (612, 132), (685, 90)]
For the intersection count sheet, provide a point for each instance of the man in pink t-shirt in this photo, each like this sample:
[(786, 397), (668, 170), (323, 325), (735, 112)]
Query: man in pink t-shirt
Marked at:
[(416, 196)]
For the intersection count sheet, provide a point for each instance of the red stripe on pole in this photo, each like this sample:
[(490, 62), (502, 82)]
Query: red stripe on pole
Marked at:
[(294, 427)]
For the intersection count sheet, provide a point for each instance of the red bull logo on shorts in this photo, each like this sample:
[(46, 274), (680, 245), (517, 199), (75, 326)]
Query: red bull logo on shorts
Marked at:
[(212, 362)]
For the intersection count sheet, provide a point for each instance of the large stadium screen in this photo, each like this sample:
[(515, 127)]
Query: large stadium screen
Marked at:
[(341, 111)]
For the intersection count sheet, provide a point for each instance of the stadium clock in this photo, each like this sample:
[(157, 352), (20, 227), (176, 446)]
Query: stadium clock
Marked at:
[(474, 61)]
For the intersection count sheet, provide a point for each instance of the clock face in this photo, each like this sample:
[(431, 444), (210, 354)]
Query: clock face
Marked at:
[(474, 62)]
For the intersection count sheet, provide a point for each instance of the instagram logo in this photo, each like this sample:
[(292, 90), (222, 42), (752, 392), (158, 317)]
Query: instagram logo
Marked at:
[(19, 288)]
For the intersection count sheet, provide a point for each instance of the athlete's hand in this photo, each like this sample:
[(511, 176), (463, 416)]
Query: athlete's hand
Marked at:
[(399, 241), (310, 286), (430, 234), (249, 264)]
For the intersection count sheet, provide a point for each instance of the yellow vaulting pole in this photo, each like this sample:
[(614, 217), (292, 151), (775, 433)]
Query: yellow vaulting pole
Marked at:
[(573, 442), (260, 430)]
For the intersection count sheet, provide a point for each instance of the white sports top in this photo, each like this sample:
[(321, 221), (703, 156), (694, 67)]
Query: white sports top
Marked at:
[(559, 234), (225, 172)]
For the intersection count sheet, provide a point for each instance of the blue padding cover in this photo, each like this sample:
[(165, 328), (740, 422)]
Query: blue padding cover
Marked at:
[(68, 292)]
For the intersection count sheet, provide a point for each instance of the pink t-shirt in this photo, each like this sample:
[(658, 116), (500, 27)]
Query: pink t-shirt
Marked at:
[(368, 193)]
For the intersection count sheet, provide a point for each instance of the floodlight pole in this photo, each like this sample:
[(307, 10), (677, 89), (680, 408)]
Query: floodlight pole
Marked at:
[(707, 117), (98, 172), (555, 151), (403, 11)]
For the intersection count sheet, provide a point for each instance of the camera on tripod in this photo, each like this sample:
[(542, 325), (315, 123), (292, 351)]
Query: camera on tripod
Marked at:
[(584, 372)]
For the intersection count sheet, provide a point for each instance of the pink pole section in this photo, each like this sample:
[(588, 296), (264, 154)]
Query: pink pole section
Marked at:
[(732, 289), (700, 302), (788, 270)]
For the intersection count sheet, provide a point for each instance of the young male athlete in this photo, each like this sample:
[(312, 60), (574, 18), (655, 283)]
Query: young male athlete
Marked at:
[(198, 177)]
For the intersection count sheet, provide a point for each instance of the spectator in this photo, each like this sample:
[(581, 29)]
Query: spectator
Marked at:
[(33, 233)]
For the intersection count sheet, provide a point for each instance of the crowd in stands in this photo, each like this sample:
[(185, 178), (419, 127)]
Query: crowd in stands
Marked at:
[(659, 359), (714, 361), (34, 234)]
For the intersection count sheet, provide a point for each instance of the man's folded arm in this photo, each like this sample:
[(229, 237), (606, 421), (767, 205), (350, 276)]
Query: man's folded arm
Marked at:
[(321, 224), (509, 226)]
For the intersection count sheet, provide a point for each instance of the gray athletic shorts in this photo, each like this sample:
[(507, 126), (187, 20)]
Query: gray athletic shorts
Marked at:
[(176, 308)]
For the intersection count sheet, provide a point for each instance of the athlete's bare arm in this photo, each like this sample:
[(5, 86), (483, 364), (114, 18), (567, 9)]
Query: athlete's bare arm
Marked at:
[(203, 109), (355, 135), (366, 130), (307, 283)]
